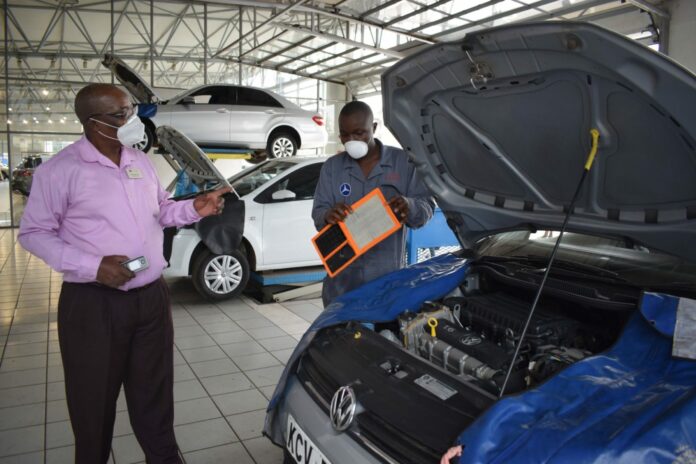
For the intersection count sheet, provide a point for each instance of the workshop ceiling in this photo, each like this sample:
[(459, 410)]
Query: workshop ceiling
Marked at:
[(183, 44)]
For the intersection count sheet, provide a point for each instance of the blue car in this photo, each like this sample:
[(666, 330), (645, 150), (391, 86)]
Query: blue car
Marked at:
[(564, 158)]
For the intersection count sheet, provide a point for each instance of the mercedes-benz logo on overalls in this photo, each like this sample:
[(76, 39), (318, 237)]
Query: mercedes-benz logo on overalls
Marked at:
[(342, 408), (344, 189)]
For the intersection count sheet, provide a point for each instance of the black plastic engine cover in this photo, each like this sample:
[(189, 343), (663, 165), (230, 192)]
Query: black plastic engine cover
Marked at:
[(383, 377), (502, 317), (472, 344)]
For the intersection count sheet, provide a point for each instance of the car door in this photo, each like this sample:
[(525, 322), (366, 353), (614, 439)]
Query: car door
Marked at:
[(253, 115), (206, 120), (287, 224)]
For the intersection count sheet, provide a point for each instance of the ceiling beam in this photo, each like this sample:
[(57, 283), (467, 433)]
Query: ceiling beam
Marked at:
[(649, 7), (492, 18), (413, 13), (458, 15), (378, 8), (265, 23), (284, 50), (369, 22), (336, 38)]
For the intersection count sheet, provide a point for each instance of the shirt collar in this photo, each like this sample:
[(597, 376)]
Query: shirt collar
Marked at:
[(127, 156), (90, 154)]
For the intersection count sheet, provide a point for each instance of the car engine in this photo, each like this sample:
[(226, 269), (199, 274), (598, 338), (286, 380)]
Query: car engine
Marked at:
[(448, 359), (474, 337)]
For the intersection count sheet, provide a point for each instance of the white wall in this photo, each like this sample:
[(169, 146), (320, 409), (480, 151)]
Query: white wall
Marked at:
[(336, 97), (682, 32)]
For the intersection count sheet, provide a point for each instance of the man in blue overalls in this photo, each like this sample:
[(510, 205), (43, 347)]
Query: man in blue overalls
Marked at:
[(348, 176)]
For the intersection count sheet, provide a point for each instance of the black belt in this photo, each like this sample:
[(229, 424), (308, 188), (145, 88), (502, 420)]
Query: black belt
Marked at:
[(101, 286)]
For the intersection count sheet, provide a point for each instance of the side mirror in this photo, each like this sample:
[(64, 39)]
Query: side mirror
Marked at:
[(283, 195), (188, 101)]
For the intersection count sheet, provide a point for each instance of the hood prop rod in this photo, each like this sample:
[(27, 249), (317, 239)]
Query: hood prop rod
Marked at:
[(594, 133)]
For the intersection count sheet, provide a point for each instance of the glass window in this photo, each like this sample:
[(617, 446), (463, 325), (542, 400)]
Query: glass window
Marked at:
[(5, 191), (249, 180), (254, 97), (302, 183), (215, 95)]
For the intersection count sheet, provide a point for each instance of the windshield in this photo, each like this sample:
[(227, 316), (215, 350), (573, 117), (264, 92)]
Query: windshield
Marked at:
[(249, 180), (636, 264)]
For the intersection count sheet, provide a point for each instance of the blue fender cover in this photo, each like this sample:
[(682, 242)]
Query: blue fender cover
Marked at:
[(634, 403), (381, 300), (147, 110)]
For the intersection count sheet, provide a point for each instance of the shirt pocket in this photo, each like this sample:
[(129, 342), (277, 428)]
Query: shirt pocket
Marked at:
[(147, 197)]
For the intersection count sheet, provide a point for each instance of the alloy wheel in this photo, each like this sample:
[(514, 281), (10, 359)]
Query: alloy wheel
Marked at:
[(282, 147), (223, 274)]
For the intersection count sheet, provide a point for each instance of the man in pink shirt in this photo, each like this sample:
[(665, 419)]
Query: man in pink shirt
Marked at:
[(93, 206)]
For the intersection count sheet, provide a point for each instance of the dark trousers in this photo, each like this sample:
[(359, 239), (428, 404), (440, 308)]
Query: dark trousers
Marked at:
[(110, 338)]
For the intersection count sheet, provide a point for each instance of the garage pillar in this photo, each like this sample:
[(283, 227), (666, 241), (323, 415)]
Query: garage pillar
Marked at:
[(682, 32)]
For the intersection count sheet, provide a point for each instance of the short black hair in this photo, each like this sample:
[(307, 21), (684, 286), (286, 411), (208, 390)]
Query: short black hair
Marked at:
[(88, 98), (357, 106)]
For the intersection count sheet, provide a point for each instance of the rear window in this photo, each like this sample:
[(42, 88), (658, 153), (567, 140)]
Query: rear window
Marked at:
[(253, 97)]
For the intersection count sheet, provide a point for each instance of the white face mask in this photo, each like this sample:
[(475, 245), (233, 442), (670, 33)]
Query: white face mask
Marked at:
[(356, 148), (132, 132)]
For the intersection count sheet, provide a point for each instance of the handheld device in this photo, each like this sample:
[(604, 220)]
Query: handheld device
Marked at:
[(136, 264)]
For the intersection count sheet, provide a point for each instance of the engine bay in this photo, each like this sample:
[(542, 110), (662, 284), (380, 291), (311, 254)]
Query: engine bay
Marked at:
[(473, 335), (447, 359)]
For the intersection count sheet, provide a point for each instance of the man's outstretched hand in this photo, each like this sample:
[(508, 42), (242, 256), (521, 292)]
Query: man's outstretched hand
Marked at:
[(211, 203), (111, 273)]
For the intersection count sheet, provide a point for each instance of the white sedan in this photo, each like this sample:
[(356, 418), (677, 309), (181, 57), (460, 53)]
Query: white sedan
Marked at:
[(225, 116), (277, 198)]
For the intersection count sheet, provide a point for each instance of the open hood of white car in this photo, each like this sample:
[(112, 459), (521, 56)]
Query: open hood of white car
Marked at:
[(130, 80), (499, 124), (188, 157)]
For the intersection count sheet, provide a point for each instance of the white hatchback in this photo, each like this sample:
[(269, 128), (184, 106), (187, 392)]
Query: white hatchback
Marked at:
[(273, 217)]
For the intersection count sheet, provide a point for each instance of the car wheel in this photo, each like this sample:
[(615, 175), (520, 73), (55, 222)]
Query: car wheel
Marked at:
[(281, 145), (146, 144), (219, 277)]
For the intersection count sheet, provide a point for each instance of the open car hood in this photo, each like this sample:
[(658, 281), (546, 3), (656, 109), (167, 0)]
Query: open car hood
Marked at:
[(130, 79), (499, 123), (184, 155)]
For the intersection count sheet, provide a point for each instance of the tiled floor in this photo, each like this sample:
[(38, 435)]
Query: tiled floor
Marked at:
[(228, 357)]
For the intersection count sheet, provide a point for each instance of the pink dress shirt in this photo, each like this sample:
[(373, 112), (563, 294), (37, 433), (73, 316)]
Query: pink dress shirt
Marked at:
[(83, 207)]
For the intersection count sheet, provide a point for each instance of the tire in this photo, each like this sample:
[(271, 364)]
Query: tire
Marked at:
[(281, 145), (146, 144), (208, 271)]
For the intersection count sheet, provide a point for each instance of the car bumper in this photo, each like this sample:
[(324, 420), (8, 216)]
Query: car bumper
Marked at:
[(316, 138), (338, 447)]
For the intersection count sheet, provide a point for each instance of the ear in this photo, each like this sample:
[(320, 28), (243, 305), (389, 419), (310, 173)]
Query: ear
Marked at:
[(374, 127)]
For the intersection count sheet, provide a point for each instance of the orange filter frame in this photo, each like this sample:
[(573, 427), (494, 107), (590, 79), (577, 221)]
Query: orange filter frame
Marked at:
[(342, 239)]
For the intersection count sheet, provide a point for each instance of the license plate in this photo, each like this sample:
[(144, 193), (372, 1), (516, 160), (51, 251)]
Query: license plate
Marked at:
[(300, 447)]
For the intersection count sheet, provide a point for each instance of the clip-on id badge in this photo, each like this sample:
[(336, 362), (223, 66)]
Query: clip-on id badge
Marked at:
[(371, 221)]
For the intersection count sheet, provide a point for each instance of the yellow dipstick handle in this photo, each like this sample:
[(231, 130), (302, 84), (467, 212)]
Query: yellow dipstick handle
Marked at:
[(593, 151), (357, 335), (432, 323)]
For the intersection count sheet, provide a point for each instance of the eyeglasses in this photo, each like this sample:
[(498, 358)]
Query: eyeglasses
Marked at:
[(122, 115)]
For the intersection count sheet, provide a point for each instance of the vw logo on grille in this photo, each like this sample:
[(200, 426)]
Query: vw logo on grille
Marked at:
[(342, 408)]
